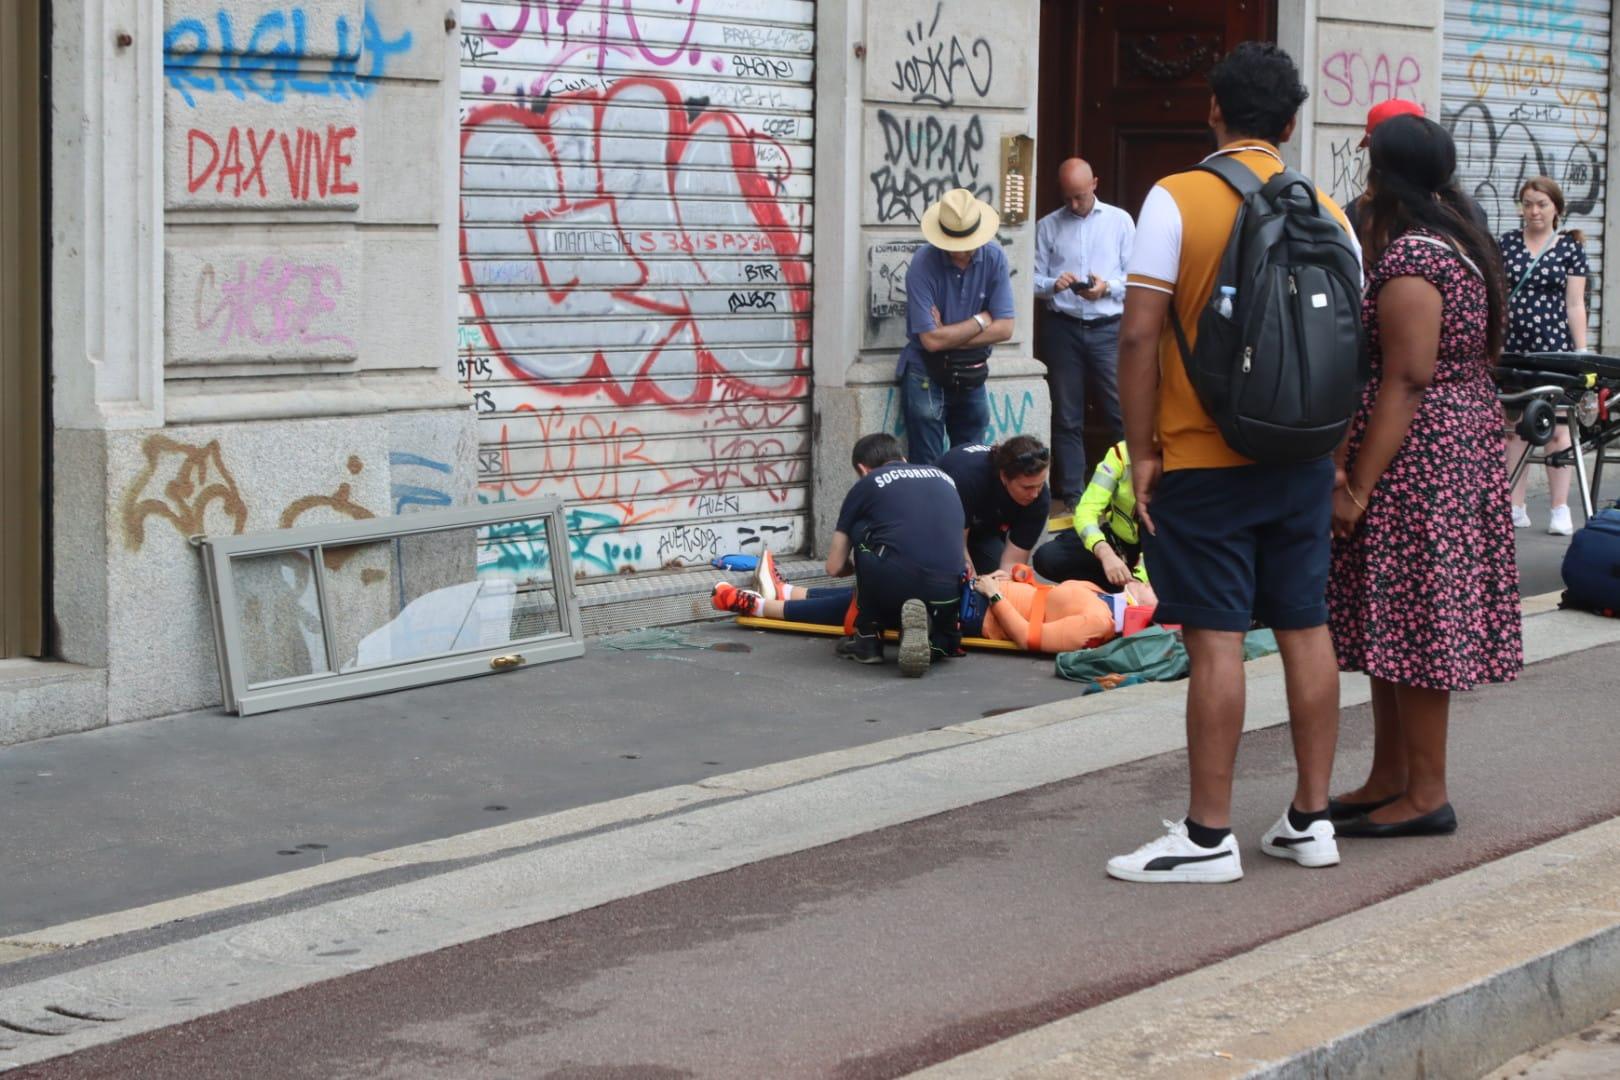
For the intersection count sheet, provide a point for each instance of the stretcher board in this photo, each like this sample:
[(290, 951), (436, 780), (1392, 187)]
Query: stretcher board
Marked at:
[(754, 622)]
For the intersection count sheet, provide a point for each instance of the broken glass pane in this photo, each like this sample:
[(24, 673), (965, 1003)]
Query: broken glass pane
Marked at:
[(281, 635), (453, 591), (320, 612)]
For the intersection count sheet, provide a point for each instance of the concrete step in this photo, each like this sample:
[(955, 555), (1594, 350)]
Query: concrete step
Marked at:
[(41, 698)]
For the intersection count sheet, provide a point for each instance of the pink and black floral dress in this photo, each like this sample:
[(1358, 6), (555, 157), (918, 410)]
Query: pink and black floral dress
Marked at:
[(1426, 593)]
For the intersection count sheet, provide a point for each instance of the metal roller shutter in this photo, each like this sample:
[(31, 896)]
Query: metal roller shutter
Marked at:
[(635, 258), (1526, 93)]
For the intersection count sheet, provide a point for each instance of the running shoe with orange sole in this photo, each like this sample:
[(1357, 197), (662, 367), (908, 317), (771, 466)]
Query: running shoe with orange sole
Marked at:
[(727, 597)]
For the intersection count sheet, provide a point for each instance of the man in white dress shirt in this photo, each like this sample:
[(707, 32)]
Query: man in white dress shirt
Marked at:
[(1081, 250)]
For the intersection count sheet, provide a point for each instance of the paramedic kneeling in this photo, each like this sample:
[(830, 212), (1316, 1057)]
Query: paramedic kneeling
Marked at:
[(1005, 499), (900, 533)]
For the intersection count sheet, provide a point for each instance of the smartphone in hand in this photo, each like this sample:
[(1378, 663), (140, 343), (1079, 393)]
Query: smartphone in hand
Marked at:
[(1077, 286)]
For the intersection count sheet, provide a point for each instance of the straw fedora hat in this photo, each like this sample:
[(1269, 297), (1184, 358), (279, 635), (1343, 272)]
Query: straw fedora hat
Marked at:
[(959, 222)]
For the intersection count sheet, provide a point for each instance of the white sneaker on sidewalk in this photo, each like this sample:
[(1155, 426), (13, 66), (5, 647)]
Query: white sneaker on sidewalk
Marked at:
[(1314, 846), (1175, 858), (1521, 517), (1560, 524)]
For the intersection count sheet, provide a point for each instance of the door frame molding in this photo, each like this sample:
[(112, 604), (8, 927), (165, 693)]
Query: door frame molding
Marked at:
[(22, 335)]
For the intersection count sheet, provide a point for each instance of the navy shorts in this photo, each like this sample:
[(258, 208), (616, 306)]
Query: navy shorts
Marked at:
[(1238, 544)]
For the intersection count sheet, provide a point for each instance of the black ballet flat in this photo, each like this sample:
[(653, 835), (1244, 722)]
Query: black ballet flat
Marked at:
[(1348, 811), (1435, 823)]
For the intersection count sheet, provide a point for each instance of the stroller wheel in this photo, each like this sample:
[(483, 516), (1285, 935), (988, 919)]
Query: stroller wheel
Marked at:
[(1536, 425)]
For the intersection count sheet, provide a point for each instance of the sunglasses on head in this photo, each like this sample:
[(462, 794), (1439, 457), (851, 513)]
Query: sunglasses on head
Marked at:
[(1030, 458)]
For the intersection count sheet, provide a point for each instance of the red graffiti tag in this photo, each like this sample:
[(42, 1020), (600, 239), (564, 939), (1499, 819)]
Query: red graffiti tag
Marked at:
[(312, 165), (671, 362)]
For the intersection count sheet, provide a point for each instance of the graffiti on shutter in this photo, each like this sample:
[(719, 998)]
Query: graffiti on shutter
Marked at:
[(635, 266), (1526, 93)]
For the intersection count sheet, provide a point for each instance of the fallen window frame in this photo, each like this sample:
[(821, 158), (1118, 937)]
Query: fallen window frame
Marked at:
[(220, 552)]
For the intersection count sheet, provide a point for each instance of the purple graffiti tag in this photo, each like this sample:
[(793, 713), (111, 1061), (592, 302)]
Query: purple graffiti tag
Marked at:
[(506, 39), (276, 303), (646, 53), (599, 32)]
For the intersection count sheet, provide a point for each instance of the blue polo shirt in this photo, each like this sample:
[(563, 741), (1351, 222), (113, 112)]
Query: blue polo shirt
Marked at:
[(935, 281)]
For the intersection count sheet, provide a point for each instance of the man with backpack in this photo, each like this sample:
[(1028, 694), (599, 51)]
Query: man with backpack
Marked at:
[(1240, 366)]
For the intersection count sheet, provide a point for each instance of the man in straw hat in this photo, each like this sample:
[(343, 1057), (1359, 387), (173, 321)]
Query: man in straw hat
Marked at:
[(959, 302)]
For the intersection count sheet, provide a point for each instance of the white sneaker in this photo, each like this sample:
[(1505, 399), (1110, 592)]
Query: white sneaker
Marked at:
[(1174, 857), (1314, 846), (767, 582), (1521, 517), (1560, 523)]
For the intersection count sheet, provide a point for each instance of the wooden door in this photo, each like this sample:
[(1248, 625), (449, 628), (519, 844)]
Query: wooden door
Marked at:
[(1125, 86), (1136, 104), (1145, 105)]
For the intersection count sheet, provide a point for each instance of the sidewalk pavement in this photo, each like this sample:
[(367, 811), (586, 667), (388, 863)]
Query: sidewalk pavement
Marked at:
[(873, 919), (199, 818), (136, 814)]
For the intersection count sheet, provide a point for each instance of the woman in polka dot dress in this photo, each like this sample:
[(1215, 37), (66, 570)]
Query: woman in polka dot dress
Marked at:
[(1546, 281), (1424, 594)]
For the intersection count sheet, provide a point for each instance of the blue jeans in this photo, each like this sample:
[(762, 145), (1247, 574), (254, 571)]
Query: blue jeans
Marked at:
[(933, 413)]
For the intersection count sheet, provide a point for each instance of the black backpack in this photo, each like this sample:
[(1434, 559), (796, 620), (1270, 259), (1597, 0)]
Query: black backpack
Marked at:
[(1283, 375)]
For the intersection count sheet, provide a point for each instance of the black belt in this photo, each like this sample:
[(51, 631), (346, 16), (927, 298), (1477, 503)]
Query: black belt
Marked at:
[(1089, 324)]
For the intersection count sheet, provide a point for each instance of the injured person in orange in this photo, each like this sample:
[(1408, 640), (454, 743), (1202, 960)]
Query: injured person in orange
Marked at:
[(1034, 617)]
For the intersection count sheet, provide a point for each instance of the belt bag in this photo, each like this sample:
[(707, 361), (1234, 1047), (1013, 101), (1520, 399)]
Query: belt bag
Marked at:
[(959, 369)]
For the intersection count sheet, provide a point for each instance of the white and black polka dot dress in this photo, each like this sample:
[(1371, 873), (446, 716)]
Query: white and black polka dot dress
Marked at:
[(1538, 314)]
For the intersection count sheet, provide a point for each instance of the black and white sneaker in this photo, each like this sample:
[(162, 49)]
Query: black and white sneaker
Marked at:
[(1314, 846), (861, 648), (1175, 858), (916, 653)]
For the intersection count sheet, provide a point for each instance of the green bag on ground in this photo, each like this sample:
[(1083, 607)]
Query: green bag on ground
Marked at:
[(1155, 654)]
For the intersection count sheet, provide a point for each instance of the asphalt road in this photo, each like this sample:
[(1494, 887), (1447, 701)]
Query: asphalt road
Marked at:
[(899, 948)]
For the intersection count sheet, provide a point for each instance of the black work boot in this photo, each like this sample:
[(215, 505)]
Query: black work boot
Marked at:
[(861, 648)]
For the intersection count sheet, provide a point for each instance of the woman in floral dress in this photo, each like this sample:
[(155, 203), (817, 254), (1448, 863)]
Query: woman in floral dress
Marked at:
[(1424, 594), (1546, 282)]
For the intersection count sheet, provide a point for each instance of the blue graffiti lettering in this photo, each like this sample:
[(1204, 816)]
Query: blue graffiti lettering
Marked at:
[(1555, 21), (1005, 418), (405, 494), (594, 544), (269, 65)]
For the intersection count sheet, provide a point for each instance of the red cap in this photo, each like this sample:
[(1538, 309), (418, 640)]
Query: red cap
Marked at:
[(1388, 110)]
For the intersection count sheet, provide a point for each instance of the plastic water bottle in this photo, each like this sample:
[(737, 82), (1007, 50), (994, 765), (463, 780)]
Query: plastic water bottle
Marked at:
[(1226, 302)]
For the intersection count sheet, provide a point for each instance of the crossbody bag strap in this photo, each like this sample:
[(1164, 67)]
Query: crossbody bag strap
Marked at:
[(1535, 260), (1432, 242)]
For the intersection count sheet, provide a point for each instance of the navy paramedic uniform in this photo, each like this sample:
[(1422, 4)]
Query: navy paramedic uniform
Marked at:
[(992, 517)]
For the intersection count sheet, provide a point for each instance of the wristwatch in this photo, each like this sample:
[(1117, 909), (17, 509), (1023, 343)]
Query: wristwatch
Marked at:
[(980, 319), (994, 599)]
